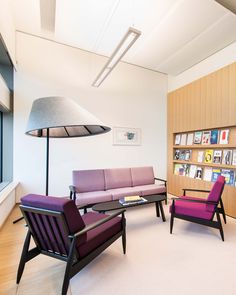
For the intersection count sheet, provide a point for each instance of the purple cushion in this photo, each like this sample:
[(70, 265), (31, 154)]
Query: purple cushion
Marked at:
[(89, 180), (118, 193), (99, 235), (151, 189), (116, 178), (217, 189), (142, 176), (193, 209), (93, 197)]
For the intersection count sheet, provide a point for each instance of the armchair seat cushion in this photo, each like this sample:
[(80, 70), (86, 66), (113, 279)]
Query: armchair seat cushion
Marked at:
[(92, 197), (151, 189), (100, 234), (198, 210), (119, 193)]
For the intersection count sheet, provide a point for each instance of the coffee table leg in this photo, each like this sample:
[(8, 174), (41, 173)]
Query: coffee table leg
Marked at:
[(162, 211), (157, 209)]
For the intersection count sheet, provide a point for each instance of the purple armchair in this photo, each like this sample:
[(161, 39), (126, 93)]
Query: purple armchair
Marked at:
[(61, 232), (201, 211)]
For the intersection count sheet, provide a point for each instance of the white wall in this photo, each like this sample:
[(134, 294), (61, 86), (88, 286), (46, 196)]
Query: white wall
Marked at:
[(7, 27), (218, 60), (131, 96)]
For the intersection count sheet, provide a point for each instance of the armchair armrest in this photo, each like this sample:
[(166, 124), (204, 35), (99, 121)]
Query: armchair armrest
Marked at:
[(98, 223), (160, 179), (195, 190), (72, 192), (196, 201)]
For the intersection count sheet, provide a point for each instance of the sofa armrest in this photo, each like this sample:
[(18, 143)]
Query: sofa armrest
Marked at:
[(72, 192), (195, 190), (160, 179), (98, 223)]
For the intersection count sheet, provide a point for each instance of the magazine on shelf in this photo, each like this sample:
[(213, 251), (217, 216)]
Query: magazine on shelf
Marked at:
[(229, 176), (177, 139), (197, 137), (224, 136), (227, 157), (183, 139), (215, 173), (198, 173), (234, 157), (181, 169), (177, 154), (214, 136), (200, 156), (126, 203), (217, 156), (182, 155), (206, 137), (192, 171), (189, 139), (187, 155), (207, 175), (208, 156)]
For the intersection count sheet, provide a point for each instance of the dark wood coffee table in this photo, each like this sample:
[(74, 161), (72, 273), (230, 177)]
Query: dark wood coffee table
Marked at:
[(115, 205)]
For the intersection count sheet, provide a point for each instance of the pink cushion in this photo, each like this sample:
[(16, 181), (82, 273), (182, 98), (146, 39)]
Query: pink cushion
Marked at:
[(92, 197), (193, 209), (119, 193), (117, 178), (89, 180), (151, 189), (142, 176)]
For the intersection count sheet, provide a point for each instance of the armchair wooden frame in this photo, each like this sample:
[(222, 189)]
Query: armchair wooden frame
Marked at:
[(74, 263)]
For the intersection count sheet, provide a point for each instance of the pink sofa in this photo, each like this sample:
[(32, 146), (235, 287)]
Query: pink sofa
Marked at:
[(102, 185)]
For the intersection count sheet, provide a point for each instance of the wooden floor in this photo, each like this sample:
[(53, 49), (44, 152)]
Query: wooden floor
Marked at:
[(42, 275)]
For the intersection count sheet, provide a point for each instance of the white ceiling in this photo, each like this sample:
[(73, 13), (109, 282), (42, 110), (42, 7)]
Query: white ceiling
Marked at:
[(176, 34)]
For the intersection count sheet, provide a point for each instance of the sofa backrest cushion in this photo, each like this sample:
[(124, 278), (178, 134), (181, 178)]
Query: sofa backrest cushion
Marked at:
[(89, 180), (117, 178), (142, 176)]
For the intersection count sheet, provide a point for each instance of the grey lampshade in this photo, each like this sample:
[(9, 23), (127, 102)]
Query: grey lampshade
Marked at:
[(63, 117)]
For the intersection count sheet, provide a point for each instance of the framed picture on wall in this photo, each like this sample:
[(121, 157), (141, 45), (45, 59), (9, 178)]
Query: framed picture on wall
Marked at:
[(126, 136)]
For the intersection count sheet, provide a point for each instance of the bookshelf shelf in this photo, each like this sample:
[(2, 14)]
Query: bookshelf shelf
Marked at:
[(205, 146), (231, 167)]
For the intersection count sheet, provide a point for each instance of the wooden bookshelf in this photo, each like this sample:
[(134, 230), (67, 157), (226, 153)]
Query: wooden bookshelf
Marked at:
[(205, 104)]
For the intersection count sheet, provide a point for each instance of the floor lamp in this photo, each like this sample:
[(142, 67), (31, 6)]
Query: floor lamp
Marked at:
[(60, 117)]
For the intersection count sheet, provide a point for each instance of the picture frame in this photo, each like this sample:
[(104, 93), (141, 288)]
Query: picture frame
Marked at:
[(126, 136)]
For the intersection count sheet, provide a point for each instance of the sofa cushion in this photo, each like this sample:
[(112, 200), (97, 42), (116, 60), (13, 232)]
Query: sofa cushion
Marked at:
[(151, 189), (192, 209), (142, 176), (99, 235), (117, 178), (118, 193), (92, 197), (89, 180)]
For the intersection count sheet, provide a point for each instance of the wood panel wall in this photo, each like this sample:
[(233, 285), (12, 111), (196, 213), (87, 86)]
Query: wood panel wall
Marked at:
[(207, 103)]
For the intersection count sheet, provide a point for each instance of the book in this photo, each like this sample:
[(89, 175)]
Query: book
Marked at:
[(200, 156), (206, 137), (229, 176), (207, 174), (198, 174), (224, 136), (234, 157), (177, 139), (192, 171), (208, 156), (176, 169), (189, 139), (227, 157), (187, 155), (132, 198), (217, 156), (197, 137), (215, 173), (187, 169), (181, 169), (183, 139), (214, 136), (177, 154), (182, 155), (124, 203)]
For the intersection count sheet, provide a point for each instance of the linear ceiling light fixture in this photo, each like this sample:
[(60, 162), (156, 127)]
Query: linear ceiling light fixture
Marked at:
[(127, 41)]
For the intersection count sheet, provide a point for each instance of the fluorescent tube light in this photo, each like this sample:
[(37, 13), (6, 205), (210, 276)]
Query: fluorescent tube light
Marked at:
[(127, 41)]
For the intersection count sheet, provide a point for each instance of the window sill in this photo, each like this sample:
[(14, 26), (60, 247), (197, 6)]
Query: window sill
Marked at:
[(7, 188)]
